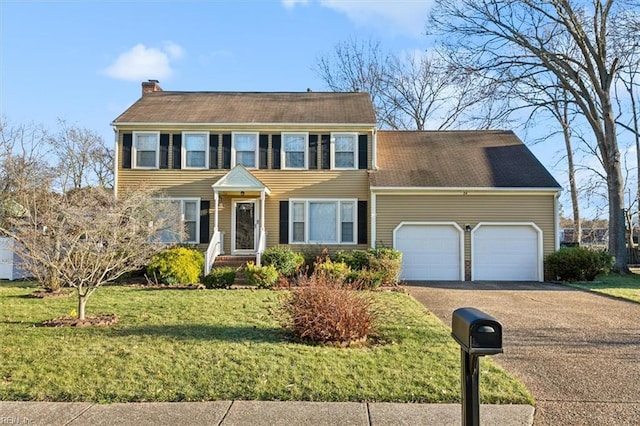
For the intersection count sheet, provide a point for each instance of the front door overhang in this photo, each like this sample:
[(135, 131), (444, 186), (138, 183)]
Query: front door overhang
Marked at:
[(241, 180)]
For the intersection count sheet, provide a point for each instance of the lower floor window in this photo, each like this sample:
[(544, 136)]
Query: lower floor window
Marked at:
[(323, 221), (187, 211)]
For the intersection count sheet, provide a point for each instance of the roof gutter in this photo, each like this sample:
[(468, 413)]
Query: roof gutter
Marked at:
[(457, 190), (240, 124)]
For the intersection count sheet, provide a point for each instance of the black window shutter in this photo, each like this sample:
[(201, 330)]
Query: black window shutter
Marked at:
[(213, 151), (264, 147), (362, 222), (204, 221), (127, 141), (177, 151), (313, 151), (164, 151), (226, 151), (363, 157), (284, 222), (275, 147), (326, 151)]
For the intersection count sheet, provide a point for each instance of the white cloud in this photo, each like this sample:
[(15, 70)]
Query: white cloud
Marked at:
[(401, 16), (175, 51), (142, 63), (289, 4)]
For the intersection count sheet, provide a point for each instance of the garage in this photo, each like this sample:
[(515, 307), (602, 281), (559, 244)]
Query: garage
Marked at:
[(430, 251), (506, 252)]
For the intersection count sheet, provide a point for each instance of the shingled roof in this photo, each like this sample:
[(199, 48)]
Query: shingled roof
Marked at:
[(251, 108), (457, 159)]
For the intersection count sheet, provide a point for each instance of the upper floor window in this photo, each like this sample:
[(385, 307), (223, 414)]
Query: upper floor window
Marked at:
[(245, 149), (146, 150), (294, 150), (194, 148), (345, 150)]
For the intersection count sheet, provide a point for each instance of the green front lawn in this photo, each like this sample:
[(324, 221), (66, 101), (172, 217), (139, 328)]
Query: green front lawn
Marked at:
[(188, 345), (623, 286)]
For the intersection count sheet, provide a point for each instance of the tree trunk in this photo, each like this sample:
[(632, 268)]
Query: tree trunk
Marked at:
[(577, 224), (615, 188), (82, 302)]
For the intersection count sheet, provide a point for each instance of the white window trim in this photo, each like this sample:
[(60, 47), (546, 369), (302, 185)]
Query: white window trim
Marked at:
[(206, 150), (337, 202), (198, 207), (256, 148), (134, 157), (355, 150), (283, 152)]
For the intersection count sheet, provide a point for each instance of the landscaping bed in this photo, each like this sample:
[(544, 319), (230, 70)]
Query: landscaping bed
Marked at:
[(225, 345)]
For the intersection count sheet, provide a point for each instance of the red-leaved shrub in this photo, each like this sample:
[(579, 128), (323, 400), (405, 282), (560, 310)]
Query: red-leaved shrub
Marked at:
[(323, 309)]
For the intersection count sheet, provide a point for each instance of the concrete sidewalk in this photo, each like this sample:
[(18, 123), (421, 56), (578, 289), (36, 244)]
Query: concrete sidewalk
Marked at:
[(229, 413)]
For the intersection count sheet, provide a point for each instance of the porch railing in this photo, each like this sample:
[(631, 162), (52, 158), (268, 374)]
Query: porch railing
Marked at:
[(262, 243), (214, 250)]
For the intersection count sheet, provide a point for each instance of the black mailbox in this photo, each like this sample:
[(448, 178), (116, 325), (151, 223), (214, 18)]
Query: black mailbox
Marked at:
[(476, 332)]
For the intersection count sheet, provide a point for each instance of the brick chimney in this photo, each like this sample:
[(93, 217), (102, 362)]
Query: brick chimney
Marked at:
[(150, 86)]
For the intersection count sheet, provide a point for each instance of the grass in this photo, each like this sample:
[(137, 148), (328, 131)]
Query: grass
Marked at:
[(622, 286), (173, 345)]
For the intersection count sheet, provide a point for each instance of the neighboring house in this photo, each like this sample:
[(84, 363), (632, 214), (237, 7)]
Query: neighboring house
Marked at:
[(590, 236), (10, 262), (310, 170)]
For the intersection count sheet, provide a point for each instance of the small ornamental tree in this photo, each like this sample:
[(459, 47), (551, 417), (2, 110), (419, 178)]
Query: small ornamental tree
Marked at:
[(88, 237)]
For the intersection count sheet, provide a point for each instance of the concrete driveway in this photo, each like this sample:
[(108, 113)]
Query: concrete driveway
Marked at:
[(578, 352)]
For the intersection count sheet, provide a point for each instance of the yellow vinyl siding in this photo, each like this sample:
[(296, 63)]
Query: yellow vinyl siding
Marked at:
[(283, 184), (287, 184), (270, 131), (465, 209)]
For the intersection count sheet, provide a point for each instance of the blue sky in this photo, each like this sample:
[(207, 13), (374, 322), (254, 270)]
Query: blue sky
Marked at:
[(83, 61)]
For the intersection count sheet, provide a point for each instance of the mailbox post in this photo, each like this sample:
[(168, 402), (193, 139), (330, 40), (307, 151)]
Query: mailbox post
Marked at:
[(478, 334)]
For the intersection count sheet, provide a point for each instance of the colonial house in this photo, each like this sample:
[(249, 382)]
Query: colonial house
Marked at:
[(311, 170)]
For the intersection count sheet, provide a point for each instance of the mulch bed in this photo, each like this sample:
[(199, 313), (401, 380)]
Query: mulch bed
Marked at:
[(170, 287), (42, 294), (103, 320)]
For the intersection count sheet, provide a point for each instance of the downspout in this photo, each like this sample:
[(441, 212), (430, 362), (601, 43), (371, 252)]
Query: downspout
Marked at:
[(372, 244), (556, 218), (115, 162), (374, 149)]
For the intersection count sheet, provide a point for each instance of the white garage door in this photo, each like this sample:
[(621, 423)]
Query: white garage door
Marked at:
[(429, 252), (505, 253)]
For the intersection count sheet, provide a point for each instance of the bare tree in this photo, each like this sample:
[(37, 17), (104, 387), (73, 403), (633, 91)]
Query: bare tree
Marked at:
[(359, 66), (83, 158), (626, 45), (416, 90), (514, 39), (23, 148), (86, 238)]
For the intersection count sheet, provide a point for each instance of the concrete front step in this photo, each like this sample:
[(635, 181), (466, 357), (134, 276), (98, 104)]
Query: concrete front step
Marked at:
[(235, 262)]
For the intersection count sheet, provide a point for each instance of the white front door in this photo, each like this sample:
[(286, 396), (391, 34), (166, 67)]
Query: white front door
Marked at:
[(244, 225)]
